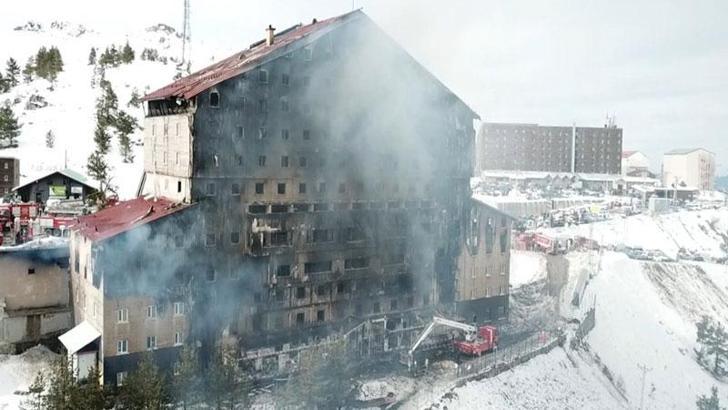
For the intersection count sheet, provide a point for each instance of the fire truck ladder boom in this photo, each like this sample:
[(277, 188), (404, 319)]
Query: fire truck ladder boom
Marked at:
[(468, 329)]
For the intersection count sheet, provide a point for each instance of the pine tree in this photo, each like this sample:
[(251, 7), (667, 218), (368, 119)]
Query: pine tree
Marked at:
[(102, 139), (92, 56), (125, 126), (710, 403), (41, 63), (712, 353), (91, 394), (143, 388), (321, 380), (98, 169), (29, 70), (127, 54), (135, 99), (36, 394), (4, 84), (63, 391), (9, 127), (186, 382), (13, 72), (227, 382), (50, 139)]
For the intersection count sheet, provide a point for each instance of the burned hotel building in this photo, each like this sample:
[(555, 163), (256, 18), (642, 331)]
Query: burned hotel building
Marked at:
[(322, 177)]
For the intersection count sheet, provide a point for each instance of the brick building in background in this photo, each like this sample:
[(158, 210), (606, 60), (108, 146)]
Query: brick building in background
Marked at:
[(9, 174), (532, 147)]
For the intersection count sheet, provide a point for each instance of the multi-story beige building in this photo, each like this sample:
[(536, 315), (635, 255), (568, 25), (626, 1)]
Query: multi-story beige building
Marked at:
[(692, 167), (483, 267)]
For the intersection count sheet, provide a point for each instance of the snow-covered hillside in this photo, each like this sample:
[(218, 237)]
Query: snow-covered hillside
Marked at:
[(646, 314), (18, 372), (70, 112)]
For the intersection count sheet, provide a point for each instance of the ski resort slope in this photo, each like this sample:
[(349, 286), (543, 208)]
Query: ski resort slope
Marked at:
[(645, 316), (703, 231), (70, 112)]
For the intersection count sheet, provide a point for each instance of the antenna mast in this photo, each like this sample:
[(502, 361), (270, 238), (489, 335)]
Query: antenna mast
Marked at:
[(186, 37)]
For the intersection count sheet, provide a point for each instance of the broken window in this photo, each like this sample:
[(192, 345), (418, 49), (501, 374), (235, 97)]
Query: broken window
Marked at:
[(179, 186), (259, 188), (322, 290), (302, 188), (262, 106), (300, 292), (262, 133), (234, 237), (317, 267), (214, 99), (320, 315), (210, 239), (285, 79), (210, 274), (375, 307), (356, 263), (263, 76), (281, 188), (284, 105), (321, 235), (284, 134), (503, 242), (279, 208), (210, 188), (31, 271), (284, 161), (283, 270), (235, 189), (489, 235), (393, 304), (353, 234), (300, 318), (306, 134), (261, 160), (279, 238), (241, 132), (341, 287)]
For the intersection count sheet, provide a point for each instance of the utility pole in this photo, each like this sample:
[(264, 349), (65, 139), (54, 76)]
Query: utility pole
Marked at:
[(186, 39), (644, 369)]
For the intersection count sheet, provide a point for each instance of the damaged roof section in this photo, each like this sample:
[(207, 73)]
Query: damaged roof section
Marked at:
[(125, 216), (245, 60)]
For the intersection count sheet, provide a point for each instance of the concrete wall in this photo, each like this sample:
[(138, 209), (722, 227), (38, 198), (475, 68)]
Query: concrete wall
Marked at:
[(46, 287), (9, 174)]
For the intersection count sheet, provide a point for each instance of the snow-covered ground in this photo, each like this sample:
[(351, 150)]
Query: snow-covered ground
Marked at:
[(645, 316), (70, 113), (705, 232), (17, 373)]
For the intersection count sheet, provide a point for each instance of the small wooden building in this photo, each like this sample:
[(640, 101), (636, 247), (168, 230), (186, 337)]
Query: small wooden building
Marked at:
[(64, 184)]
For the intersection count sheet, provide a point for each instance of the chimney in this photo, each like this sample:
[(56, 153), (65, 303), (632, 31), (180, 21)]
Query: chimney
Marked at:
[(271, 34)]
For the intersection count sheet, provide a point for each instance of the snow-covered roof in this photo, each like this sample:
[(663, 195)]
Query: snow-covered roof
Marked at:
[(78, 337), (76, 176), (683, 151)]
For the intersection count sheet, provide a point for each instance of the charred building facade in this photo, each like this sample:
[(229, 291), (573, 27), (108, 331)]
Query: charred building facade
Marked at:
[(329, 174), (532, 147)]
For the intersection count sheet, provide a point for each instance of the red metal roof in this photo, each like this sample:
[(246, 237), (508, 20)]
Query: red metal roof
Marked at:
[(627, 154), (243, 61), (125, 216)]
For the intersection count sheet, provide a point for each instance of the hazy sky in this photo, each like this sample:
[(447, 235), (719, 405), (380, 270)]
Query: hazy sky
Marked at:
[(660, 66)]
